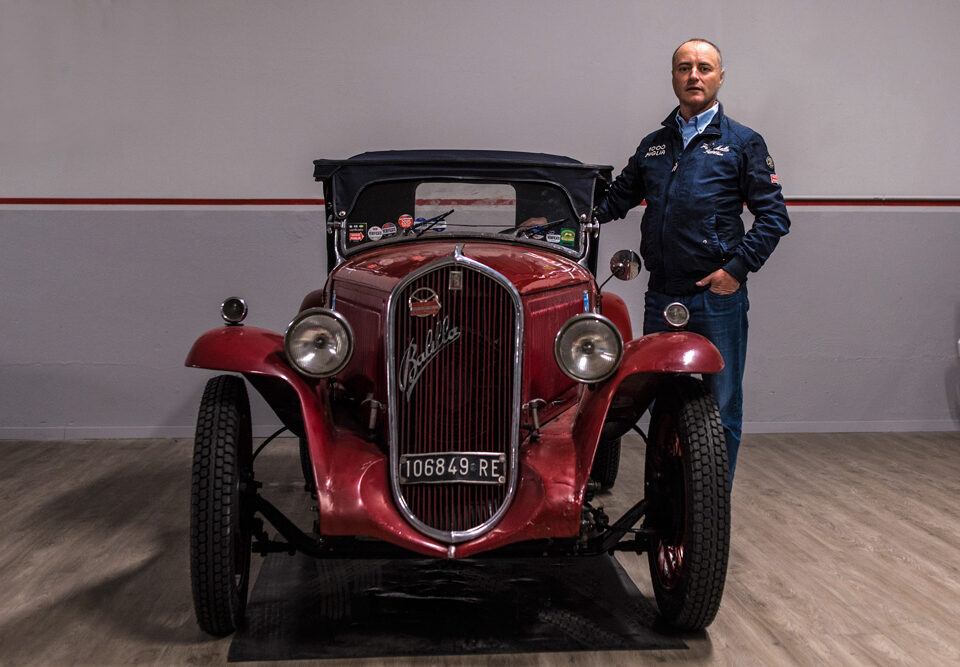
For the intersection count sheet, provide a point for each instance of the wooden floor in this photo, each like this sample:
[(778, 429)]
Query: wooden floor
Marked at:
[(845, 550)]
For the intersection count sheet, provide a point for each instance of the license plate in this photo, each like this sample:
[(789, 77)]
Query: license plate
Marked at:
[(453, 467)]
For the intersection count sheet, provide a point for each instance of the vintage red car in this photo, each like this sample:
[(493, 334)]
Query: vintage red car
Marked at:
[(460, 387)]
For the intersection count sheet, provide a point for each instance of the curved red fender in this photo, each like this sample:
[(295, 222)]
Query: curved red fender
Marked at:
[(615, 308), (240, 349), (668, 352), (251, 350)]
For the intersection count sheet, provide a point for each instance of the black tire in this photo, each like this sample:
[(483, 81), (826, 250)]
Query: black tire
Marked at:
[(606, 463), (220, 527), (689, 505)]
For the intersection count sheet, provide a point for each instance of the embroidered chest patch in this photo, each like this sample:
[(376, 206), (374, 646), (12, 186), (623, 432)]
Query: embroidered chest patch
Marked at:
[(656, 151), (713, 149)]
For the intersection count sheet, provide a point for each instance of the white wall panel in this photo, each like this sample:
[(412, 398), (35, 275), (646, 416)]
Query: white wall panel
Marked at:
[(179, 98)]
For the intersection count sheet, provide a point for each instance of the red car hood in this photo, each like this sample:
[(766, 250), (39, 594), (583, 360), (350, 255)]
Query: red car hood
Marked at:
[(528, 268)]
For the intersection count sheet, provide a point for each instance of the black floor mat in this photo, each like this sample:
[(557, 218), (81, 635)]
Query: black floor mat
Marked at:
[(303, 608)]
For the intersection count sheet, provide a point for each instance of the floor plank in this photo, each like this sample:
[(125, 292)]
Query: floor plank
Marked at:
[(845, 550)]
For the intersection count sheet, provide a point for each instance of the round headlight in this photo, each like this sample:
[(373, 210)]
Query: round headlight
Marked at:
[(588, 348), (319, 342), (233, 310)]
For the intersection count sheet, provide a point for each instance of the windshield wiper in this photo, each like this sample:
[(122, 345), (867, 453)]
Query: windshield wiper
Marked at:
[(539, 229), (431, 222)]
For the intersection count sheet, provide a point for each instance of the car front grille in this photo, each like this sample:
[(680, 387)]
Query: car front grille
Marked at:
[(454, 389)]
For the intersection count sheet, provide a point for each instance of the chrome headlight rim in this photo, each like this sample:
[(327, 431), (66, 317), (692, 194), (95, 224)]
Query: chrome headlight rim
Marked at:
[(676, 315), (233, 310), (323, 312), (576, 320)]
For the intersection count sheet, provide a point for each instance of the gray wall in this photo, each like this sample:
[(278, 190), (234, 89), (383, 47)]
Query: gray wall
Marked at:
[(181, 98), (854, 321)]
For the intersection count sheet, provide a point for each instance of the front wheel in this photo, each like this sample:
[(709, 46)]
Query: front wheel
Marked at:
[(686, 486), (606, 463), (220, 531)]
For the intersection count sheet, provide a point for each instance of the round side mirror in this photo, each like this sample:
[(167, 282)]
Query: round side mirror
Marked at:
[(625, 264)]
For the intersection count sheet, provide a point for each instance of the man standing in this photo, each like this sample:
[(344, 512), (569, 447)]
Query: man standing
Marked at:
[(695, 173)]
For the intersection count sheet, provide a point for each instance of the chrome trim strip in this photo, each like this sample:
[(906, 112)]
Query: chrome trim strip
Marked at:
[(454, 537)]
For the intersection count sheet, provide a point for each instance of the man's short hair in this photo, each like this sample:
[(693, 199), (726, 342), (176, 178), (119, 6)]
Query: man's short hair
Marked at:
[(698, 39)]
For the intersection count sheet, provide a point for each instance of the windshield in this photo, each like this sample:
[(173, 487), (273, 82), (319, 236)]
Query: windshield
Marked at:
[(393, 211)]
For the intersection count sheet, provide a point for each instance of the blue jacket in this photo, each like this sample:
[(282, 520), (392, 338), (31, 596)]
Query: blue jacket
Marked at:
[(695, 195)]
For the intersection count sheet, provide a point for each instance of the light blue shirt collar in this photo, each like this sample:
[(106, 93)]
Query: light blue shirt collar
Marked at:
[(697, 124)]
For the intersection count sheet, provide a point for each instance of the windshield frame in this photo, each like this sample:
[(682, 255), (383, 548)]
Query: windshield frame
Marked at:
[(342, 220)]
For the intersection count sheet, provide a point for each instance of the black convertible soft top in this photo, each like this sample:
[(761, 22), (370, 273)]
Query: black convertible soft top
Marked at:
[(344, 179)]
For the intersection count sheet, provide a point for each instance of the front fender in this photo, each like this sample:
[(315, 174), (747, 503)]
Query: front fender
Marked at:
[(254, 351), (645, 362), (615, 308), (668, 352), (241, 350)]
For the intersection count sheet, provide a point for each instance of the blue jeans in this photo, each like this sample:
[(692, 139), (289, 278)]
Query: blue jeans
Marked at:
[(722, 319)]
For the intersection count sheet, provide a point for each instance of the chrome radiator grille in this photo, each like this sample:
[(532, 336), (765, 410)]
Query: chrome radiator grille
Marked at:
[(454, 389)]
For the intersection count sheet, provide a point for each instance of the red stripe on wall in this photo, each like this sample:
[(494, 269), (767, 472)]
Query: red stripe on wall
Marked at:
[(490, 201), (169, 201), (145, 201), (873, 202)]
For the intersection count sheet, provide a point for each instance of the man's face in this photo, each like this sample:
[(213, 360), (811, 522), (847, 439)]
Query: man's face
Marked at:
[(696, 77)]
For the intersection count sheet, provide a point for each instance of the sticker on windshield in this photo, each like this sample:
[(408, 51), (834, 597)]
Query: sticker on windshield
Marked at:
[(375, 233), (355, 231), (567, 237), (405, 221), (389, 229), (553, 237)]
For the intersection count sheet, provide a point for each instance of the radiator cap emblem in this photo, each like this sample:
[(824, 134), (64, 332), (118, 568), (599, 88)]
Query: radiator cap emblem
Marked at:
[(424, 302)]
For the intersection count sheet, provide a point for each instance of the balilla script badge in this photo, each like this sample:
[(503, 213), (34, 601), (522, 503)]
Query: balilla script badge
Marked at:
[(415, 360)]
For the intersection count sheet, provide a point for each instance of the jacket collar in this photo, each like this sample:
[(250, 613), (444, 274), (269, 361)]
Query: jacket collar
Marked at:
[(713, 129)]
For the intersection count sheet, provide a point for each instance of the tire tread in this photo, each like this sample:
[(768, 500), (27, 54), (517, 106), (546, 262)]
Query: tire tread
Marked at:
[(220, 429), (705, 565)]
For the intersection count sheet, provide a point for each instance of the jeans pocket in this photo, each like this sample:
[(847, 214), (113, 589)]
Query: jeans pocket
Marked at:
[(723, 303), (727, 304)]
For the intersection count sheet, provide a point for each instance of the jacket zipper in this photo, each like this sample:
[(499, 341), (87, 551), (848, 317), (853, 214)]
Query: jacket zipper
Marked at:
[(669, 189), (669, 201)]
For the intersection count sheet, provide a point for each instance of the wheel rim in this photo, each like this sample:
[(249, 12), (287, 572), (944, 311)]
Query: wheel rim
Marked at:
[(669, 564), (668, 492)]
